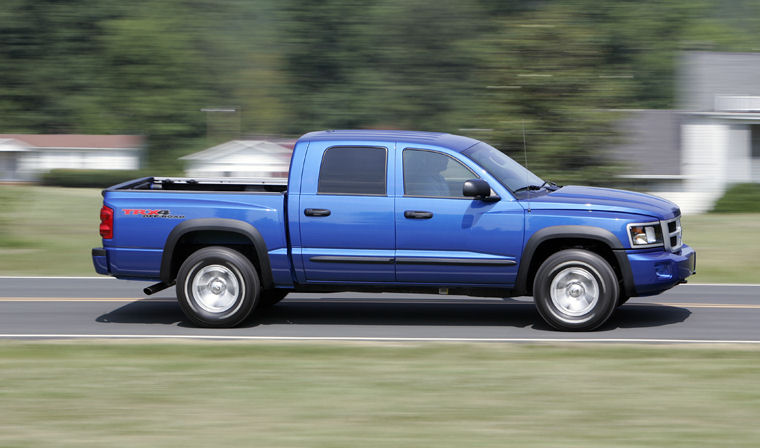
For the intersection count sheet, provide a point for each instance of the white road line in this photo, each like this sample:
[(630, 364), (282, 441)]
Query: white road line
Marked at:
[(720, 284), (370, 339)]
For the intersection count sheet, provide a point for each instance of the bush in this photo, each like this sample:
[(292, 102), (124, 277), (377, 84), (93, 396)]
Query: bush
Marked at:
[(741, 198), (88, 178)]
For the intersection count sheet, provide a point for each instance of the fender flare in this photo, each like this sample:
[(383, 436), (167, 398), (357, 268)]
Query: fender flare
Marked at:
[(574, 232), (222, 225)]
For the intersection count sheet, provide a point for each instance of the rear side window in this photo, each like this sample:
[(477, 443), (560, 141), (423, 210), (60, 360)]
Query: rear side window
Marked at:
[(353, 170)]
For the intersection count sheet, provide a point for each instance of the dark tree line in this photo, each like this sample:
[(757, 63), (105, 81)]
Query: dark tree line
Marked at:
[(485, 68)]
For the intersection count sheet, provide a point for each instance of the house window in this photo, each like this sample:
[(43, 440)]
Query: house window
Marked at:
[(755, 131)]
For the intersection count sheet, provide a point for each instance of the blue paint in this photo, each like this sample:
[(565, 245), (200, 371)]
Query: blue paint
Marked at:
[(368, 239)]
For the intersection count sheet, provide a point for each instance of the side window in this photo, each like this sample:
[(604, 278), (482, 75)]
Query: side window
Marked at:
[(353, 170), (428, 173)]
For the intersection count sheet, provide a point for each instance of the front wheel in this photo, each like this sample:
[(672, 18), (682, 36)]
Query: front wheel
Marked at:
[(575, 290), (217, 287)]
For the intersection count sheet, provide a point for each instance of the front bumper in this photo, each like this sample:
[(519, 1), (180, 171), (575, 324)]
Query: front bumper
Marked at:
[(657, 271)]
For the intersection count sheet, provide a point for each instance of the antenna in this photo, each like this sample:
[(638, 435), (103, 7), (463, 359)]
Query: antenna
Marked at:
[(525, 145), (525, 152)]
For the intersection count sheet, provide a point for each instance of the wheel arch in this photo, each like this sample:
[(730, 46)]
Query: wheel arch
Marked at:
[(550, 240), (237, 232)]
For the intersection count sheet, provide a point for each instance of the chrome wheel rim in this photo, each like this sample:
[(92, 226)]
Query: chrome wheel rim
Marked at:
[(574, 291), (215, 288)]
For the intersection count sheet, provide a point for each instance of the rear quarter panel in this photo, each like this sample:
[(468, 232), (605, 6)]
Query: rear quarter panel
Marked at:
[(144, 219)]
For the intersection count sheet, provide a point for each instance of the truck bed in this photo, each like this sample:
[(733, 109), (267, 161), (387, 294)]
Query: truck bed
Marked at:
[(145, 212), (264, 185)]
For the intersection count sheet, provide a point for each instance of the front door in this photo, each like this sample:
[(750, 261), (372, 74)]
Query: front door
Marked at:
[(443, 237)]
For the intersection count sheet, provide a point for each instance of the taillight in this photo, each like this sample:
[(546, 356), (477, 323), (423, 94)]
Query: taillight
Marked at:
[(106, 222)]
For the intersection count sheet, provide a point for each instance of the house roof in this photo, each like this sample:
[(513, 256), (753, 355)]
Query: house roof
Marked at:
[(451, 141), (78, 140), (11, 145), (705, 77), (241, 147)]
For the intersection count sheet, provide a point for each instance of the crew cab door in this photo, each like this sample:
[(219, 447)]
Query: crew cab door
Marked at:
[(443, 237), (346, 224)]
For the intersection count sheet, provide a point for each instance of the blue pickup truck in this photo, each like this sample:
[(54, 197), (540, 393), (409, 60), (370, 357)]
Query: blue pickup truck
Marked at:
[(392, 211)]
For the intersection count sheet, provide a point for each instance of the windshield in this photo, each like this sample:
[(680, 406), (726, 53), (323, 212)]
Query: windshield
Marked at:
[(510, 173)]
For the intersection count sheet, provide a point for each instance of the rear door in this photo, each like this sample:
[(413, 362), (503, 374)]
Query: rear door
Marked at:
[(346, 213)]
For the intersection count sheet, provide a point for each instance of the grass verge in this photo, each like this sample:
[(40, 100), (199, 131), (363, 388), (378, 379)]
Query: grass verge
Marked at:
[(50, 231), (375, 395), (727, 245)]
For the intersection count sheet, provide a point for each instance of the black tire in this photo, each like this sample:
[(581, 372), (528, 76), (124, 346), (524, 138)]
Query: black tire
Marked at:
[(585, 293), (217, 287), (271, 297), (622, 299)]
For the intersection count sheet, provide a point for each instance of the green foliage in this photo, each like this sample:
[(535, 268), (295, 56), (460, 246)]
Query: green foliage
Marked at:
[(555, 68), (542, 89), (88, 178), (741, 198)]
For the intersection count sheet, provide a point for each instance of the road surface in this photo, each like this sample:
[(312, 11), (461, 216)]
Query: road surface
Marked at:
[(106, 307)]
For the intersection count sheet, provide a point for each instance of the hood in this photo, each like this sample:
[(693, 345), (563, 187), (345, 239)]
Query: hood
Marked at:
[(574, 197)]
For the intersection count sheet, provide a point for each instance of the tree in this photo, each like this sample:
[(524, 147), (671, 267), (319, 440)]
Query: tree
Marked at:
[(543, 80)]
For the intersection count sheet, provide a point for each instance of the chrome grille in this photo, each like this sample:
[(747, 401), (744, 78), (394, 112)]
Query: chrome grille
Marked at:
[(671, 230)]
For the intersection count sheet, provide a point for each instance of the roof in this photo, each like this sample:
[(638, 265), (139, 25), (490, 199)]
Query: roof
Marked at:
[(78, 140), (707, 76), (451, 141), (11, 145), (224, 150), (651, 144)]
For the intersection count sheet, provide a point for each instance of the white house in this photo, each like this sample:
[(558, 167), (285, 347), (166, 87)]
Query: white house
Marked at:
[(24, 157), (693, 154), (241, 158)]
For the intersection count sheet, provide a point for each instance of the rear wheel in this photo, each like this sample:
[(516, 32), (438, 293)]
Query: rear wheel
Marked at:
[(575, 290), (217, 287)]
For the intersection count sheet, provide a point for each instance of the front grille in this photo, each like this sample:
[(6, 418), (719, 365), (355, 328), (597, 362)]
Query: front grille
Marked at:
[(673, 234)]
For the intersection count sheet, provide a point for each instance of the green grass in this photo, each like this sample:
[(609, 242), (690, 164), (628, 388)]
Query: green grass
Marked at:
[(374, 395), (727, 245), (740, 198), (50, 231)]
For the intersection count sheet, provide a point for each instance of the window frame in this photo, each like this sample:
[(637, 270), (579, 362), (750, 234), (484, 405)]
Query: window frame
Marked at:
[(385, 171), (403, 174)]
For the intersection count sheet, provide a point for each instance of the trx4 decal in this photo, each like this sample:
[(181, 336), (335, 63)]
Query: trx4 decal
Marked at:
[(148, 213)]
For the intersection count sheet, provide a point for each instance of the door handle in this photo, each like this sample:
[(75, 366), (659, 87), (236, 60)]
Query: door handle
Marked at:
[(316, 212), (417, 214)]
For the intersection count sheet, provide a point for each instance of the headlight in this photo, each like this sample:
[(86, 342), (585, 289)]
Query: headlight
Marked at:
[(645, 235)]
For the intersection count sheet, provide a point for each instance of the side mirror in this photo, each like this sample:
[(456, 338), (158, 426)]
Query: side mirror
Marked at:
[(478, 189)]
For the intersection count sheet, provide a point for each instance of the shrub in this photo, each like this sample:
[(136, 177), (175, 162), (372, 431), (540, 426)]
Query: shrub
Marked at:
[(741, 198), (88, 178)]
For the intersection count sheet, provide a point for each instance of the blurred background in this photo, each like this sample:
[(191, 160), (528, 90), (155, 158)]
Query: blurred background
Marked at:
[(661, 97)]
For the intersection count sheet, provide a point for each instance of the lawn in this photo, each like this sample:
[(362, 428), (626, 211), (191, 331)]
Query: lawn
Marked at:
[(50, 231), (727, 245), (64, 394)]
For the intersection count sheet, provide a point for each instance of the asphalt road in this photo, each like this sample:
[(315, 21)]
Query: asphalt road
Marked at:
[(105, 307)]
